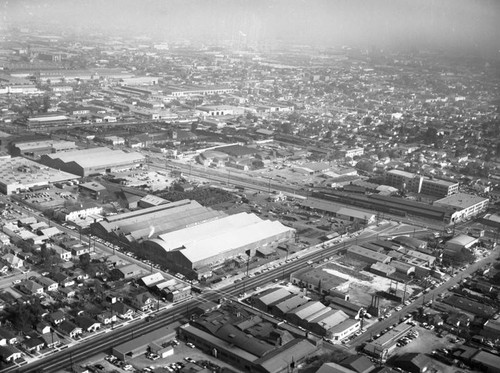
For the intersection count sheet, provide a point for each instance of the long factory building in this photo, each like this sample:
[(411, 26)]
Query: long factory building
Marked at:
[(192, 239), (194, 251), (92, 161)]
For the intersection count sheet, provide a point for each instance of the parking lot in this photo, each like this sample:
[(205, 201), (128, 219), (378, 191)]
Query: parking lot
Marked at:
[(183, 356), (426, 342)]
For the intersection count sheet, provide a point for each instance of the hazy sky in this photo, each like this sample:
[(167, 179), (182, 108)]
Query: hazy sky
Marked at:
[(421, 23)]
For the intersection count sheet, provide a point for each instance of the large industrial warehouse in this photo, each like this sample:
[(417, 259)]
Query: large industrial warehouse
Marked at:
[(194, 250), (20, 174), (92, 161), (152, 221)]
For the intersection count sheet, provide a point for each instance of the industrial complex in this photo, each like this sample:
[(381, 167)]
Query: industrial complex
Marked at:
[(21, 174), (92, 161)]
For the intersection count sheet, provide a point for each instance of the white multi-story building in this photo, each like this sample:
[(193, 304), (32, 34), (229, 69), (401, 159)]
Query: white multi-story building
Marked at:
[(465, 206)]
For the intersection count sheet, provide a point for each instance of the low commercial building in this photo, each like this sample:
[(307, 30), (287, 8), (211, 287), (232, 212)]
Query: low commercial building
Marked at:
[(489, 362), (470, 306), (246, 341), (366, 255), (316, 279), (128, 271), (35, 149), (410, 242), (263, 301), (299, 315), (353, 310), (139, 346), (385, 344), (341, 212), (382, 269), (281, 308), (344, 329), (325, 323), (491, 329), (403, 267), (462, 241)]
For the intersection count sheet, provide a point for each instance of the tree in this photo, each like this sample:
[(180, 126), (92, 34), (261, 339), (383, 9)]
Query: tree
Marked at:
[(85, 260), (430, 136)]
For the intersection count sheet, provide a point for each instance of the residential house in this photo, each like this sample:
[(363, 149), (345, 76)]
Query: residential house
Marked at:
[(63, 279), (87, 324), (79, 249), (7, 337), (56, 317), (31, 287), (33, 344), (43, 327), (80, 275), (122, 310), (47, 283), (51, 340), (68, 292), (107, 317), (70, 329), (62, 253), (143, 301), (9, 354), (13, 261)]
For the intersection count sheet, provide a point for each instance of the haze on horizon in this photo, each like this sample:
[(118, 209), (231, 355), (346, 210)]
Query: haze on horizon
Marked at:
[(445, 24)]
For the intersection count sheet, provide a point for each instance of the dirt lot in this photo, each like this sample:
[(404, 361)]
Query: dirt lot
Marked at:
[(363, 284)]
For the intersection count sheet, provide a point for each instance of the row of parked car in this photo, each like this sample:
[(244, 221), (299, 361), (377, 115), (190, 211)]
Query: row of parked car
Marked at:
[(117, 362), (407, 338)]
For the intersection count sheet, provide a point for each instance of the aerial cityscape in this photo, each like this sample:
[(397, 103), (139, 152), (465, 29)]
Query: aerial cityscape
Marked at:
[(268, 186)]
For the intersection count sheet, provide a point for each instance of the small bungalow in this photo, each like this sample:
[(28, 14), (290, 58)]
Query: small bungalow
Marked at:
[(70, 329), (33, 344), (9, 353)]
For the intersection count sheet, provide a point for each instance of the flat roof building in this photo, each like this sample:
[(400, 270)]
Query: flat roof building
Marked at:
[(19, 174), (314, 278), (385, 344), (465, 205), (35, 149), (420, 184), (488, 361), (139, 346), (365, 255)]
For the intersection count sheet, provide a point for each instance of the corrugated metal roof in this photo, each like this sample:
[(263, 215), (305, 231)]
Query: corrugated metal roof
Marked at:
[(95, 157)]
